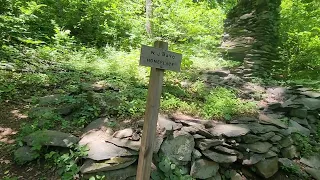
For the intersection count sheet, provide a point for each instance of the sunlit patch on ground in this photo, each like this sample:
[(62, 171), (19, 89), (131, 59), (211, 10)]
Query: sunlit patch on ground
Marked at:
[(6, 135), (17, 114), (4, 161)]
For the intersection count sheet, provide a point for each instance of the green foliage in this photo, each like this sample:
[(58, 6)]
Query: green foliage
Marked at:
[(67, 162), (94, 22), (299, 32), (223, 103), (304, 145), (16, 24), (10, 178), (167, 170), (97, 177), (189, 22), (294, 169)]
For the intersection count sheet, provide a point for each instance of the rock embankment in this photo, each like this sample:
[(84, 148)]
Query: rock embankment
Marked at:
[(245, 147)]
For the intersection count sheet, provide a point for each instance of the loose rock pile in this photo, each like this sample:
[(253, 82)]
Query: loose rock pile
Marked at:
[(243, 148), (251, 35)]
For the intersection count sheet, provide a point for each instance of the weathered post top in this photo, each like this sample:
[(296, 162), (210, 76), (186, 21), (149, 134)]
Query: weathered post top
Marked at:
[(159, 59)]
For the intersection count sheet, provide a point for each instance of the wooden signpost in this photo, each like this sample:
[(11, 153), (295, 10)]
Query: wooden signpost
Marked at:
[(159, 59)]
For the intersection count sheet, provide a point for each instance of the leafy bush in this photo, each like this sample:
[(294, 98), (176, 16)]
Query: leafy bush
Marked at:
[(189, 22), (299, 32), (16, 24), (67, 162), (223, 103), (304, 145), (168, 170), (294, 169)]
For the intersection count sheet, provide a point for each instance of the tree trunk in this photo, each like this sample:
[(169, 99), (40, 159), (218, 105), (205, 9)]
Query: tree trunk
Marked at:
[(149, 17)]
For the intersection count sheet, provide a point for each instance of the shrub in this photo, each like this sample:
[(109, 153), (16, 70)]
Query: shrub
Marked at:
[(300, 42), (223, 103)]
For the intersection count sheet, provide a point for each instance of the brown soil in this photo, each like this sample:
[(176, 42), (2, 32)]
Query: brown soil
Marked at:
[(11, 117)]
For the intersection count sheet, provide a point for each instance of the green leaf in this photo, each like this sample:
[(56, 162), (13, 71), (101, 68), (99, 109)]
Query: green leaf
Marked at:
[(165, 166)]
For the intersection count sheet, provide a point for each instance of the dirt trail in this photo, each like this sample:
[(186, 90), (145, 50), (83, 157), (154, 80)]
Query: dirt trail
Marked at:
[(11, 117)]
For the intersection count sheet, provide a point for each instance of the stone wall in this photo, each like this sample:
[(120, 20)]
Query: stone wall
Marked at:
[(251, 35), (244, 148)]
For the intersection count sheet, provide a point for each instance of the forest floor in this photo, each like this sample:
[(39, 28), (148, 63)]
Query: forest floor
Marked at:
[(89, 86), (12, 115)]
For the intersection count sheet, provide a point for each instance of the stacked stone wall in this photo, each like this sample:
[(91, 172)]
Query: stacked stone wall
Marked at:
[(251, 36)]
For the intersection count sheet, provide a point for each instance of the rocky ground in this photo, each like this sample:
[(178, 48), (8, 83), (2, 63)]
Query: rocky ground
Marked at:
[(12, 116), (265, 146)]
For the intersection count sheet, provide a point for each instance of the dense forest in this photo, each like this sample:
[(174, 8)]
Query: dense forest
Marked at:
[(66, 63)]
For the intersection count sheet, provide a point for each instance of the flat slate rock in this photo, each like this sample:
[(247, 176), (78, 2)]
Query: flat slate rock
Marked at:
[(275, 149), (158, 142), (226, 150), (204, 144), (119, 174), (179, 149), (190, 121), (290, 152), (190, 129), (275, 138), (310, 103), (196, 154), (265, 119), (270, 154), (134, 145), (285, 142), (291, 104), (257, 128), (312, 119), (91, 136), (304, 89), (274, 105), (98, 124), (299, 112), (123, 133), (258, 147), (200, 129), (244, 120), (230, 130), (250, 138), (311, 94), (51, 99), (198, 136), (313, 161), (25, 154), (203, 169), (168, 124), (315, 173), (267, 136), (216, 177), (219, 157), (295, 127), (253, 159), (51, 138), (91, 166), (301, 121), (287, 163), (268, 167), (101, 150), (221, 73)]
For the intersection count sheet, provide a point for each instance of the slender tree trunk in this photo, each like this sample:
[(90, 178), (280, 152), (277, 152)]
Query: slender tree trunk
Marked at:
[(149, 17)]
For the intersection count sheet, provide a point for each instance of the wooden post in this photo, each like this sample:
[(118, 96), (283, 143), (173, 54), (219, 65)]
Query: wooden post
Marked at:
[(150, 119)]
